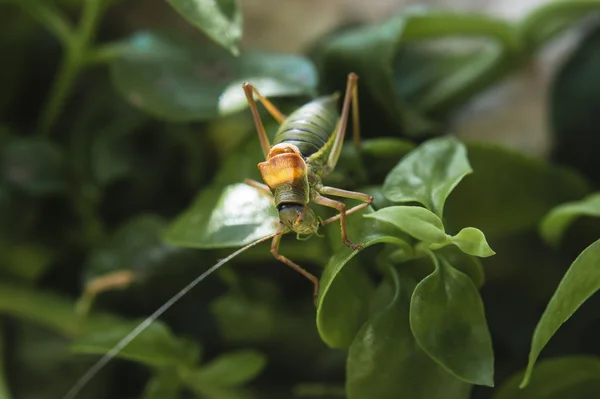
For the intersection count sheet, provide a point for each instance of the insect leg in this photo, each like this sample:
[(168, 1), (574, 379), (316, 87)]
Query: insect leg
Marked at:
[(275, 113), (368, 199), (351, 94), (262, 134), (281, 258), (319, 199), (262, 188)]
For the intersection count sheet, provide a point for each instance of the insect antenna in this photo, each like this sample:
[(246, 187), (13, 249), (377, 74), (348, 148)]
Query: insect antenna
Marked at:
[(104, 360)]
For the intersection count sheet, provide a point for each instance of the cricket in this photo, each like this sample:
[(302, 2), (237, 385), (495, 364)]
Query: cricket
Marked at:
[(306, 148)]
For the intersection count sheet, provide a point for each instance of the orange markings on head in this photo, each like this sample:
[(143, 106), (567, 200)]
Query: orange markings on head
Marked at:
[(283, 165)]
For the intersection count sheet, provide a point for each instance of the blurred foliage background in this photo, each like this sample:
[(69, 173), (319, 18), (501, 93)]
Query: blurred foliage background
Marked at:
[(121, 122)]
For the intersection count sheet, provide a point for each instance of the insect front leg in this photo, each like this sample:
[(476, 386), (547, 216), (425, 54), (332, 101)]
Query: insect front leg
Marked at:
[(368, 199), (275, 252), (319, 199)]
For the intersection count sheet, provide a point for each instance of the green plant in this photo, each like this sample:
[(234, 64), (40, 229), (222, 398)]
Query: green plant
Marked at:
[(128, 184)]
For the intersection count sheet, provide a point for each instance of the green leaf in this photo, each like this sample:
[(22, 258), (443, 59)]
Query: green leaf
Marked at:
[(233, 311), (34, 166), (385, 362), (221, 218), (228, 370), (165, 384), (573, 377), (428, 174), (221, 20), (180, 80), (448, 321), (556, 222), (414, 220), (49, 310), (137, 245), (27, 261), (472, 241), (468, 264), (575, 139), (155, 346), (344, 291), (580, 282), (509, 192), (407, 73)]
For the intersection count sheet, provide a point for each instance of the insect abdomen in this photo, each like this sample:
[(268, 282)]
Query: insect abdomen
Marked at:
[(310, 126)]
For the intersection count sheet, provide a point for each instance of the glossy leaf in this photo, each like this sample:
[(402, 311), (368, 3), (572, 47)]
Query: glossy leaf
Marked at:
[(155, 346), (220, 218), (448, 321), (509, 192), (580, 282), (178, 80), (34, 166), (344, 291), (556, 222), (221, 20), (573, 377), (472, 241), (419, 222), (468, 264), (165, 384), (230, 369), (428, 174), (385, 362)]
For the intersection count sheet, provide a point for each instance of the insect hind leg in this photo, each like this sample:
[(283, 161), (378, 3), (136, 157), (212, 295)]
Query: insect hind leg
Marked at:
[(275, 252)]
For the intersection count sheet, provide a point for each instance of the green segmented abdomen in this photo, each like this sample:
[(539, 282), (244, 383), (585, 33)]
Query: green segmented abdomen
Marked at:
[(310, 126)]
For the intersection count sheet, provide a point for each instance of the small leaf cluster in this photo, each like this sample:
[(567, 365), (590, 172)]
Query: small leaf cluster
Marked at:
[(123, 152)]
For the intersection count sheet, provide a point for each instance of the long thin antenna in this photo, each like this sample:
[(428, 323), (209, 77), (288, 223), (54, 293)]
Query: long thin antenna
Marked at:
[(91, 373)]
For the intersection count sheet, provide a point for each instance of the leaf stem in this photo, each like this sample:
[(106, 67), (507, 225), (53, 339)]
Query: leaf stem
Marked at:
[(73, 60), (48, 14)]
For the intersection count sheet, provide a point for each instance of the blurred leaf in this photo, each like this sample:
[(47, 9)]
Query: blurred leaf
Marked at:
[(573, 377), (419, 222), (178, 80), (472, 241), (26, 260), (547, 20), (385, 362), (556, 222), (221, 218), (574, 101), (42, 367), (228, 370), (49, 310), (580, 282), (448, 321), (138, 246), (404, 77), (344, 291), (234, 312), (165, 384), (509, 192), (221, 20), (155, 346), (34, 166), (429, 174)]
